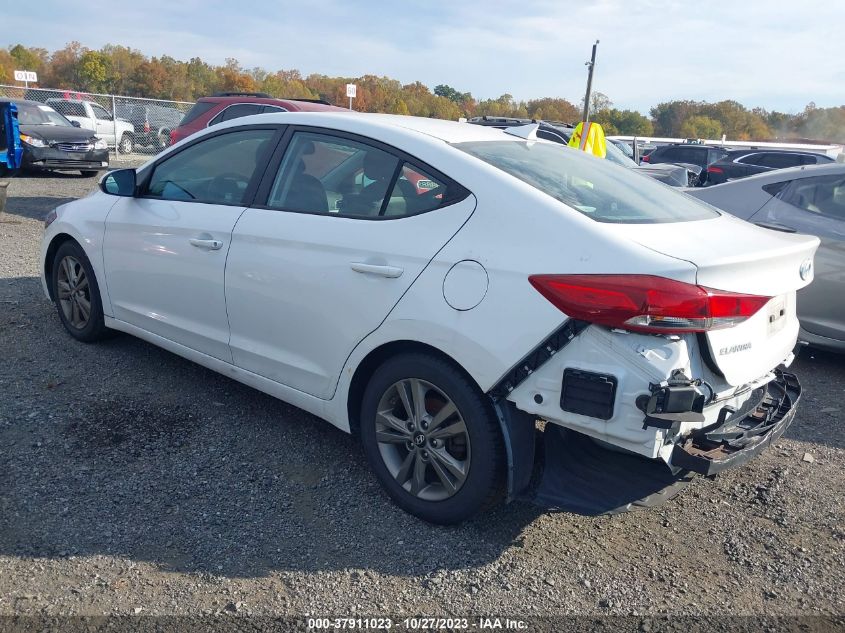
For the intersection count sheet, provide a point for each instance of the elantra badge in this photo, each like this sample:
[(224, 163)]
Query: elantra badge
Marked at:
[(806, 270)]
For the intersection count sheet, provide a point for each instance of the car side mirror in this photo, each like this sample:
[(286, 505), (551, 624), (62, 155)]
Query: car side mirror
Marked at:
[(120, 182), (76, 124)]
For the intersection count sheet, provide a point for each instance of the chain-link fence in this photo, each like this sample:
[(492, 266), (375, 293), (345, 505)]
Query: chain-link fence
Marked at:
[(129, 125)]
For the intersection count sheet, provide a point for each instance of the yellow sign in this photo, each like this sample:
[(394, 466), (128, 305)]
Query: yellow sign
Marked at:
[(590, 140)]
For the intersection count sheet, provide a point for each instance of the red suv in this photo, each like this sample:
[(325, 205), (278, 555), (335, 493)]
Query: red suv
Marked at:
[(225, 106)]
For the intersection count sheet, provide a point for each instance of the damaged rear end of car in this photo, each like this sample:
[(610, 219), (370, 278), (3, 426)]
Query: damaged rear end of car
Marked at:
[(653, 374)]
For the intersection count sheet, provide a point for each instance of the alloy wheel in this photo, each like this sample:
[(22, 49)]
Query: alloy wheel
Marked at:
[(74, 292), (423, 440)]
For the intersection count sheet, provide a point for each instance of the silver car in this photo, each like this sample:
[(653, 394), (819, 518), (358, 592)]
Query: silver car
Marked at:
[(809, 200)]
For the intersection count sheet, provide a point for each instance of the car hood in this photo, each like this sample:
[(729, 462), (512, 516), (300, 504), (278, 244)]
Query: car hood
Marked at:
[(57, 133)]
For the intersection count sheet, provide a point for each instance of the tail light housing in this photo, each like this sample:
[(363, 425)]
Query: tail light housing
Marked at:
[(146, 127), (645, 158), (715, 170), (646, 303)]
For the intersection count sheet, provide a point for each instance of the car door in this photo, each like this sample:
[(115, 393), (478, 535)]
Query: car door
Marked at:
[(816, 206), (165, 250), (104, 122), (344, 227)]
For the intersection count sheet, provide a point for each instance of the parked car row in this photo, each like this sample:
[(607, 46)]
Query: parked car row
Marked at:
[(51, 141), (720, 165), (442, 285)]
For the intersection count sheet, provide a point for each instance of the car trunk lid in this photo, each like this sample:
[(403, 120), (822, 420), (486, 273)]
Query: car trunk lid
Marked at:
[(736, 256)]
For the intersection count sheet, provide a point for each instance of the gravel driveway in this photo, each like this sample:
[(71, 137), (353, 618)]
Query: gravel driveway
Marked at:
[(132, 481)]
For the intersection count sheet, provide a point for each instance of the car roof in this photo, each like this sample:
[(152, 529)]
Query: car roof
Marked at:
[(368, 123), (764, 150), (788, 173), (299, 104)]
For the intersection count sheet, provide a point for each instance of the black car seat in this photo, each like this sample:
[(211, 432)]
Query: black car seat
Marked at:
[(378, 167), (306, 192)]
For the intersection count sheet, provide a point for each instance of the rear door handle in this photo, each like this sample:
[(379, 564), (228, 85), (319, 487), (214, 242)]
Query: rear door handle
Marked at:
[(374, 269), (211, 245)]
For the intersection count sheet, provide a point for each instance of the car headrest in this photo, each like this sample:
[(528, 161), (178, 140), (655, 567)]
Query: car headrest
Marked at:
[(378, 165)]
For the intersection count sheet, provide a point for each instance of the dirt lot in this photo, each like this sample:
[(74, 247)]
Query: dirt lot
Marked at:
[(132, 481)]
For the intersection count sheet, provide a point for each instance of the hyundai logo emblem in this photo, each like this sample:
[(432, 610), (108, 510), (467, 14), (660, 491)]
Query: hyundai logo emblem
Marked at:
[(806, 270)]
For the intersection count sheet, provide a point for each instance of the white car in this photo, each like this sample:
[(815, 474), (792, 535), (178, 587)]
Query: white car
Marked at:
[(300, 254)]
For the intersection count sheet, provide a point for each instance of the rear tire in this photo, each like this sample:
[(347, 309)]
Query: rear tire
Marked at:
[(127, 144), (443, 462), (77, 294)]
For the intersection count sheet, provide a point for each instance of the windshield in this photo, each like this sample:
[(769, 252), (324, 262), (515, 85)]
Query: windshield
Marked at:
[(616, 155), (32, 114), (595, 187)]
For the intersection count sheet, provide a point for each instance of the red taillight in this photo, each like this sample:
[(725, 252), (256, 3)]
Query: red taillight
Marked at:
[(646, 303), (715, 170), (146, 127), (174, 137), (644, 158)]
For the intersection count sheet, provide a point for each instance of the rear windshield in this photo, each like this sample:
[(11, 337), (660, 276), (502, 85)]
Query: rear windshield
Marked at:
[(200, 108), (597, 188)]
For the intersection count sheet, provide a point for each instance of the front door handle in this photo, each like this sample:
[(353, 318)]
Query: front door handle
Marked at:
[(211, 245), (374, 269)]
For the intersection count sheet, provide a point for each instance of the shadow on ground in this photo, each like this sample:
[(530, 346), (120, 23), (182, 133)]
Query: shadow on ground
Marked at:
[(123, 449)]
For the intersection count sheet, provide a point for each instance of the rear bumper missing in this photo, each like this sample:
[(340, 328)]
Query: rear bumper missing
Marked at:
[(735, 440)]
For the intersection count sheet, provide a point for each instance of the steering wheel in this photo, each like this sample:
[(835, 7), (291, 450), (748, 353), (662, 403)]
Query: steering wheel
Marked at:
[(228, 187)]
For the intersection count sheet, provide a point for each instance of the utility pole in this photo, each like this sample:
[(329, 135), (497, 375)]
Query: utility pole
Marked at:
[(591, 66)]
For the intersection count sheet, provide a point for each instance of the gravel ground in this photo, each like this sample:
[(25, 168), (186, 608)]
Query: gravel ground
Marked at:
[(132, 481)]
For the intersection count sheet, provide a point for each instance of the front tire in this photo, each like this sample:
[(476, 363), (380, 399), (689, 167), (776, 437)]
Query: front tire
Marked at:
[(77, 294), (432, 439)]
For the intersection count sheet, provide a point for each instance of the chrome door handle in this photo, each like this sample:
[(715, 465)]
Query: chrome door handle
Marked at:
[(373, 269), (212, 245)]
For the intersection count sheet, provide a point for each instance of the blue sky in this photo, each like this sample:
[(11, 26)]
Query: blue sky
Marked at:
[(772, 53)]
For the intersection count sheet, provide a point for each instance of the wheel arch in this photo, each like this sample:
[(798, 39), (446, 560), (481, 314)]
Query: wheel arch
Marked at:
[(379, 355), (50, 255)]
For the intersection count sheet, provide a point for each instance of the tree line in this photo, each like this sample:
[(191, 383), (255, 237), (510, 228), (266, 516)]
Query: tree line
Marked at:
[(116, 69)]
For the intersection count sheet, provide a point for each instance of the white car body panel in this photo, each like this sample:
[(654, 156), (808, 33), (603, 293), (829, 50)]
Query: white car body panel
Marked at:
[(277, 258), (162, 283)]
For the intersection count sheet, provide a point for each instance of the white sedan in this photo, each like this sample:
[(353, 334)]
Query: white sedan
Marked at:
[(435, 287)]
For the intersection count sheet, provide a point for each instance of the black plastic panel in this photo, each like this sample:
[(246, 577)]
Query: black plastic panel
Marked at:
[(588, 393)]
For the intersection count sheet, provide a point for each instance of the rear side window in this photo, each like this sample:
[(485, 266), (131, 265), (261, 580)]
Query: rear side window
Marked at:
[(751, 159), (593, 186), (237, 111), (693, 155), (824, 195), (200, 108), (780, 161), (216, 170), (69, 108)]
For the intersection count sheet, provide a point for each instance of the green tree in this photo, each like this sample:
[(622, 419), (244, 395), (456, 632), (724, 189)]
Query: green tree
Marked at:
[(94, 71), (699, 126)]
